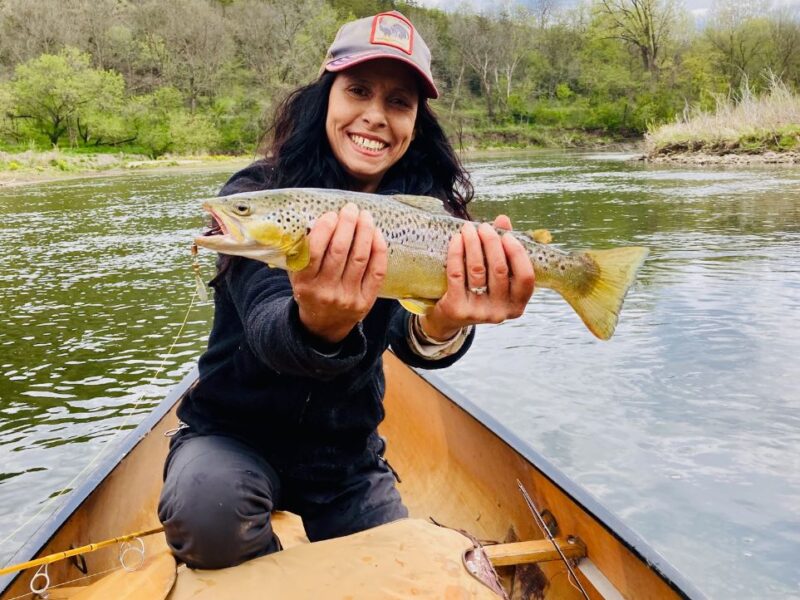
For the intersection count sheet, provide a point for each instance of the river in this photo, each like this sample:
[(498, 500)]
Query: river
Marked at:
[(686, 424)]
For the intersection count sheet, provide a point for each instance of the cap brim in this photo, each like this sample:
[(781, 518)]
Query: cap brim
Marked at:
[(428, 88)]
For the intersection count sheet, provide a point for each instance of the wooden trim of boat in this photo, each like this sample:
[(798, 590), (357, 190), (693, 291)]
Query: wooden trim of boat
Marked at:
[(458, 466)]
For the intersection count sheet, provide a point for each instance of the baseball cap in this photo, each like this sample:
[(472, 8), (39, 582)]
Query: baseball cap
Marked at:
[(385, 35)]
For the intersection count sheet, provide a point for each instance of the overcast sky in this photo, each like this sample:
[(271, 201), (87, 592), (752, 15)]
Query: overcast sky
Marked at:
[(697, 7)]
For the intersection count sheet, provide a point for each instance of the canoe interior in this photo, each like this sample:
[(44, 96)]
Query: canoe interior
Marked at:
[(453, 468)]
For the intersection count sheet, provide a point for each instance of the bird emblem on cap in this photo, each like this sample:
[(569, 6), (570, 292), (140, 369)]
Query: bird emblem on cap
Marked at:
[(391, 29)]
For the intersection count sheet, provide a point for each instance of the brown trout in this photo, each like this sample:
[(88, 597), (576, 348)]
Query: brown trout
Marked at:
[(272, 226)]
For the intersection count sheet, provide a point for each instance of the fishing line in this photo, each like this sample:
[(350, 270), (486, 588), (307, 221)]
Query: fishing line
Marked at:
[(546, 531), (106, 446), (52, 587)]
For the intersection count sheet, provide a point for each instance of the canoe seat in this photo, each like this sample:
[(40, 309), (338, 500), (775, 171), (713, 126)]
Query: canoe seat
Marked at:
[(534, 551), (407, 558)]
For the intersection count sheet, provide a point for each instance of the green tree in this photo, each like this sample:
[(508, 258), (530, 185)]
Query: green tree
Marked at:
[(363, 8), (645, 25), (163, 125), (740, 36), (8, 126), (150, 115), (784, 51), (61, 93), (556, 57), (192, 133), (237, 116), (480, 43)]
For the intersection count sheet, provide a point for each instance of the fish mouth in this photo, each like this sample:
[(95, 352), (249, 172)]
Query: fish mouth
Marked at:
[(228, 236), (215, 227), (219, 233)]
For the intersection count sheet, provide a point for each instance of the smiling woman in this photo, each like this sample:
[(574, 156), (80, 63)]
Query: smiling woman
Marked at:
[(290, 394), (372, 111)]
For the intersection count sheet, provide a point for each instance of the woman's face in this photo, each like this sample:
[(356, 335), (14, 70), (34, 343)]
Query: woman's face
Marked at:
[(372, 109)]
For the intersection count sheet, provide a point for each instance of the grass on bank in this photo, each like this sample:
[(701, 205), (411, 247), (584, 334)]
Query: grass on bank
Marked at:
[(32, 163), (520, 137), (744, 124)]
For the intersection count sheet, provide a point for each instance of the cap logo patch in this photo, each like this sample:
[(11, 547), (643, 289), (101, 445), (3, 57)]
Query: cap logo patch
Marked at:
[(391, 29)]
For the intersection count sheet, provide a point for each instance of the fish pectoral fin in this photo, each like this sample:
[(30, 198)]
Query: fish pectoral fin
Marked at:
[(298, 257), (417, 306), (540, 236), (426, 203)]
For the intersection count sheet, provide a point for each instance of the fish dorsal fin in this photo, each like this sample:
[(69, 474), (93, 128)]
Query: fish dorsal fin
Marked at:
[(426, 203), (541, 236)]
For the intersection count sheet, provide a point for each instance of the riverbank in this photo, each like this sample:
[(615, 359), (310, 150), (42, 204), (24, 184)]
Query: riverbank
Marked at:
[(34, 166), (41, 167), (47, 170), (730, 158), (743, 129)]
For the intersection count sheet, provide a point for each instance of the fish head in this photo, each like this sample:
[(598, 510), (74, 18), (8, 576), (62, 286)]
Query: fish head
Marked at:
[(257, 226)]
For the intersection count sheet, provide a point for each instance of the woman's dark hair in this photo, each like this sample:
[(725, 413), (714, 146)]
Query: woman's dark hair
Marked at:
[(297, 150)]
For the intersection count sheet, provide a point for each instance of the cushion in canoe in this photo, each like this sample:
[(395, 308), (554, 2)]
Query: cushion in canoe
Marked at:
[(404, 559)]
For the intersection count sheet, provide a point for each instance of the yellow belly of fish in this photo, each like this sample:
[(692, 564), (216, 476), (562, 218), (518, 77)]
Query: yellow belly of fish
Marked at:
[(417, 279)]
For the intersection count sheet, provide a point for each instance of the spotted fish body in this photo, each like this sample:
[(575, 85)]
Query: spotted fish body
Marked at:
[(272, 226)]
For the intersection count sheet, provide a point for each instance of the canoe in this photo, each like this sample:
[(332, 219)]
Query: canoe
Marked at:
[(457, 465)]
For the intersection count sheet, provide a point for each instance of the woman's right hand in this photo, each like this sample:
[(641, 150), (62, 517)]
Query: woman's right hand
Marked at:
[(348, 262)]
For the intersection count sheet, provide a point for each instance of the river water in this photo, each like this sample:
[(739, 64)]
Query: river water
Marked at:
[(686, 424)]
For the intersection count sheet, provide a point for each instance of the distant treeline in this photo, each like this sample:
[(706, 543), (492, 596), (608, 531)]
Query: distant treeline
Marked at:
[(204, 75)]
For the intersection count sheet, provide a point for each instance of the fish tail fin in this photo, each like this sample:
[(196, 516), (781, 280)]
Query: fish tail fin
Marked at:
[(600, 304)]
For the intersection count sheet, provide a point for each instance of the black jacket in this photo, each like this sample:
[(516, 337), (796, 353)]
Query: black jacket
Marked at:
[(312, 413)]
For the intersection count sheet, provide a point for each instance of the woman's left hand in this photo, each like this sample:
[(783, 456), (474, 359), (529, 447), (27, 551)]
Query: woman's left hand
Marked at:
[(489, 279)]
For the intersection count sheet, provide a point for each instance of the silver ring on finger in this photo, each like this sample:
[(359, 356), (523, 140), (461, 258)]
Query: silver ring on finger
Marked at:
[(479, 291)]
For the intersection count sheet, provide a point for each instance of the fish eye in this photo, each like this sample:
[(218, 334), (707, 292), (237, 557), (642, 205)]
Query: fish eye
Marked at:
[(242, 209)]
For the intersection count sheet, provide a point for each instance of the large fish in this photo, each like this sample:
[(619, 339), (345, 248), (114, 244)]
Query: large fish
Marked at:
[(272, 226)]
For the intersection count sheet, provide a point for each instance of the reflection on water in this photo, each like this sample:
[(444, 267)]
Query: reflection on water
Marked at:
[(686, 424)]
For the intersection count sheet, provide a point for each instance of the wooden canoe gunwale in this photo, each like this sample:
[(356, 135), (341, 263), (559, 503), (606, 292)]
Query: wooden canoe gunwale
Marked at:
[(582, 497)]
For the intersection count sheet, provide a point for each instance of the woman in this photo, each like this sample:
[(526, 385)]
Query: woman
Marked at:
[(285, 413)]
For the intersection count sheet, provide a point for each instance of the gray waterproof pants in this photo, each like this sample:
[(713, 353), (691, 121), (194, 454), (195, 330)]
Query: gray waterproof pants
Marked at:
[(218, 495)]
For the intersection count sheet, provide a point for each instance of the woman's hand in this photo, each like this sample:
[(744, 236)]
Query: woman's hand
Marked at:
[(348, 261), (489, 279)]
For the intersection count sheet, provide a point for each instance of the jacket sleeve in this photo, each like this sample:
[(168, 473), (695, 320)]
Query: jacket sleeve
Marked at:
[(272, 328), (399, 342)]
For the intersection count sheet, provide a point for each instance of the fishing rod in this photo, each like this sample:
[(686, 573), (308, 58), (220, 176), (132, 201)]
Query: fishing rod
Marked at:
[(571, 576), (51, 558)]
